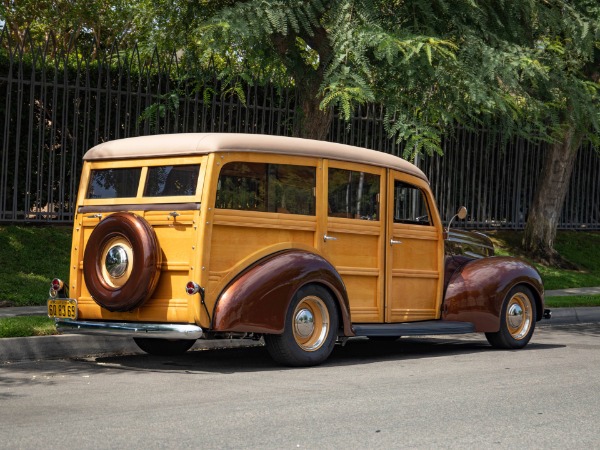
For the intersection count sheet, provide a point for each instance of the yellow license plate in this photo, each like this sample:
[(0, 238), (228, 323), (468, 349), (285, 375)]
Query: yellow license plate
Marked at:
[(64, 308)]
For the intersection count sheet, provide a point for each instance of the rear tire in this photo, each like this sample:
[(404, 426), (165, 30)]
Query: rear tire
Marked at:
[(517, 320), (164, 347), (310, 331)]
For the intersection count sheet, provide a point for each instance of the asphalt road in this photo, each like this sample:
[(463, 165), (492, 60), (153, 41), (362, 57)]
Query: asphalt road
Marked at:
[(449, 392)]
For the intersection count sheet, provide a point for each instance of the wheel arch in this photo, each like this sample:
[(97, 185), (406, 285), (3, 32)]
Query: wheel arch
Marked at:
[(476, 291), (257, 299)]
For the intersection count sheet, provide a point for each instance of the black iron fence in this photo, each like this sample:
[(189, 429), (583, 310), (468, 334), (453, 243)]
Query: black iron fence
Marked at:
[(55, 105)]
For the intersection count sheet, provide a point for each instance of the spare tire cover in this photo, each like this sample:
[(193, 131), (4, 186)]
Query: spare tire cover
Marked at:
[(121, 262)]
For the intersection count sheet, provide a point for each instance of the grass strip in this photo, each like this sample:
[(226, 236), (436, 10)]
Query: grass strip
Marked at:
[(23, 326), (30, 257), (573, 301), (581, 248)]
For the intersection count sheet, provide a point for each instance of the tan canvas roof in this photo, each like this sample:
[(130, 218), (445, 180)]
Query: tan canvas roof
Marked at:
[(186, 144)]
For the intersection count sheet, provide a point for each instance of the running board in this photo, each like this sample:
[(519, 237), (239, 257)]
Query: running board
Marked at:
[(414, 328)]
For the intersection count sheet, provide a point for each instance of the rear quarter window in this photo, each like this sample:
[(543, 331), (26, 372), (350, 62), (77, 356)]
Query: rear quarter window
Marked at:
[(113, 183), (278, 188)]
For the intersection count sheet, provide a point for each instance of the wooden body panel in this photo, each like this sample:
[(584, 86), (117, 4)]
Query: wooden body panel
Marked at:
[(238, 235), (356, 248), (414, 261), (177, 235)]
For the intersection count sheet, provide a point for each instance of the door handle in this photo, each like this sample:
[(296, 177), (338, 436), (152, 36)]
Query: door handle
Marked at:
[(328, 238), (393, 242)]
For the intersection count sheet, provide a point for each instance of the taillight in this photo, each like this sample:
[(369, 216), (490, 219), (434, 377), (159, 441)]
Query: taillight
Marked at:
[(192, 288), (55, 287)]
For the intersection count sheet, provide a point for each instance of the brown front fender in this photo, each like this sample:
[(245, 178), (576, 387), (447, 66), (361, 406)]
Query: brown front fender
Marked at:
[(256, 301), (476, 290)]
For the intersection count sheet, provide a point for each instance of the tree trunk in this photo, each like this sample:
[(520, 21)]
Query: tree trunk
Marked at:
[(311, 121), (547, 205)]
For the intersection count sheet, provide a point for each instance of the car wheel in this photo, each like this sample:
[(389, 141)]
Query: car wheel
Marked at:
[(517, 320), (310, 332), (121, 262), (164, 347)]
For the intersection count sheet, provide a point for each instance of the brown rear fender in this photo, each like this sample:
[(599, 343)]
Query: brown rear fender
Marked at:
[(476, 290), (256, 301)]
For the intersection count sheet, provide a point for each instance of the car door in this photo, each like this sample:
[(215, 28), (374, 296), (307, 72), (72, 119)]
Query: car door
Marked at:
[(414, 251), (354, 232)]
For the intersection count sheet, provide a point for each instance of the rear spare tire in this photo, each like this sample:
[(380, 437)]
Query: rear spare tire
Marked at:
[(121, 262)]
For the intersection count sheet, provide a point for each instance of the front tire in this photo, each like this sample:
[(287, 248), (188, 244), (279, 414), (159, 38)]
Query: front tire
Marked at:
[(517, 320), (164, 347), (310, 331)]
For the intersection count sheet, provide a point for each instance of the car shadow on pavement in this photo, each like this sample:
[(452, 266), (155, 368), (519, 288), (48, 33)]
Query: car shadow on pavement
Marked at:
[(357, 351)]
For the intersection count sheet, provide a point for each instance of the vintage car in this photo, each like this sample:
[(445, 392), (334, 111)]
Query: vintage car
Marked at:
[(304, 243)]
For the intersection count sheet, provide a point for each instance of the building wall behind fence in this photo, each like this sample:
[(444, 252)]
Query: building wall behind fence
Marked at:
[(53, 107)]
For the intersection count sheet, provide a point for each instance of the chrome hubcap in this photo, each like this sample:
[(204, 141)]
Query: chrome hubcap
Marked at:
[(311, 323), (515, 316), (519, 316), (116, 261), (305, 323)]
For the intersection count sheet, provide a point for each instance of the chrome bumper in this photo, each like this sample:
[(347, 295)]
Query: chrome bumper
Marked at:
[(137, 329)]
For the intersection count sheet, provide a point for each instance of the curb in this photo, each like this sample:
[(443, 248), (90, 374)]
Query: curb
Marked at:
[(571, 316), (80, 346), (14, 311)]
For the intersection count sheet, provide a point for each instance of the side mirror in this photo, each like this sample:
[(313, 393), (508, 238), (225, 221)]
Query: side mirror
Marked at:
[(461, 214)]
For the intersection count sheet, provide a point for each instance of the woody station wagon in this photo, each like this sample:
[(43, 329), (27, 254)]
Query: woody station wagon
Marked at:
[(304, 243)]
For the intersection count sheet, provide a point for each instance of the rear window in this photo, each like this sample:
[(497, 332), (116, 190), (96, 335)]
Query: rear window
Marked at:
[(161, 181), (164, 181), (114, 183)]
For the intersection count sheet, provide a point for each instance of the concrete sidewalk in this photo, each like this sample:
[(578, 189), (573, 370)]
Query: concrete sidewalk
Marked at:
[(573, 291), (77, 346)]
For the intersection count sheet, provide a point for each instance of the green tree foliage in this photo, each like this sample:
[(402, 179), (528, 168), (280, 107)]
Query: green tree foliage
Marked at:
[(433, 64), (94, 24), (531, 65)]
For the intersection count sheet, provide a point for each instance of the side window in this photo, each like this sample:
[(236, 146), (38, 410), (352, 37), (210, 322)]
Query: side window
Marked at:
[(279, 188), (410, 205), (353, 195), (114, 183), (163, 181)]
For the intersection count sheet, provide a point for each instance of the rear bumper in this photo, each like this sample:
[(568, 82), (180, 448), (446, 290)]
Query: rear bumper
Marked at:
[(134, 329)]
